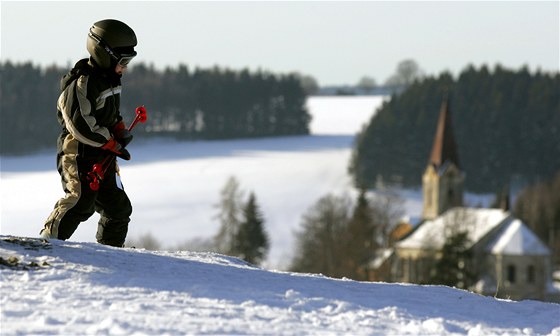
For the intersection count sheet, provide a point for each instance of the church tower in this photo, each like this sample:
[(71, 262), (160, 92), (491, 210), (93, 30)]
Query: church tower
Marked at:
[(443, 181)]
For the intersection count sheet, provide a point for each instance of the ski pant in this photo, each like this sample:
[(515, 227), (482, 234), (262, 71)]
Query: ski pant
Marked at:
[(80, 202)]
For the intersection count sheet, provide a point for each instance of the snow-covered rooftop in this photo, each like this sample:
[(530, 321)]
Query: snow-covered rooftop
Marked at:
[(476, 221), (517, 239)]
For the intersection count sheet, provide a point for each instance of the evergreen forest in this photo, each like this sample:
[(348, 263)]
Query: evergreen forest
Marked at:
[(213, 103), (506, 124)]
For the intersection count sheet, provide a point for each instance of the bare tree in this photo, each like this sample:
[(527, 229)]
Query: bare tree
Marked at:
[(386, 211), (407, 71), (367, 83), (319, 243), (338, 238), (230, 209), (539, 207)]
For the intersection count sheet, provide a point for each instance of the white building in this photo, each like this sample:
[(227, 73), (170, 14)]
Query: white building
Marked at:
[(505, 258)]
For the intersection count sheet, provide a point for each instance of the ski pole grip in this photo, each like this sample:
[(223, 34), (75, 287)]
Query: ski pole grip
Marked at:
[(142, 113), (99, 169), (141, 116)]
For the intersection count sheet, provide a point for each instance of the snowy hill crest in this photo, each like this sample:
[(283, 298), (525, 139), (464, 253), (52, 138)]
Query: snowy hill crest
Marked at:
[(86, 288)]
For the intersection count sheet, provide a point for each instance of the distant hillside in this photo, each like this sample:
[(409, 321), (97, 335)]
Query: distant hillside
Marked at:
[(506, 124), (70, 288)]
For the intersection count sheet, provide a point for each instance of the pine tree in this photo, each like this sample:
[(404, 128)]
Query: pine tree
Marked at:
[(251, 242), (451, 269), (359, 241)]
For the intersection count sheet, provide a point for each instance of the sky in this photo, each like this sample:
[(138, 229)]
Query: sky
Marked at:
[(335, 42)]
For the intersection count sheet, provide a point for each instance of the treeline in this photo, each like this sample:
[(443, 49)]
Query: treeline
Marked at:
[(506, 125), (211, 103), (28, 107)]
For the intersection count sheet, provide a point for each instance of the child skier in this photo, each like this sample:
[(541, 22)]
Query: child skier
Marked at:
[(92, 128)]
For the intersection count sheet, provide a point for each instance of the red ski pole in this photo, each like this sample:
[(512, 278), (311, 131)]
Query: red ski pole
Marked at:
[(98, 171)]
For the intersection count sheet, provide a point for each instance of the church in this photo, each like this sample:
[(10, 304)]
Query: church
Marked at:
[(504, 259)]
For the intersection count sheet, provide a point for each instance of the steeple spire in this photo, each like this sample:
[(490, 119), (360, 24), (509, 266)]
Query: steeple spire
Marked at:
[(444, 147), (443, 180)]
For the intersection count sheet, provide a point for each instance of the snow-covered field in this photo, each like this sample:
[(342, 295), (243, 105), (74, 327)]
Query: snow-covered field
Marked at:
[(80, 287), (75, 288), (174, 186)]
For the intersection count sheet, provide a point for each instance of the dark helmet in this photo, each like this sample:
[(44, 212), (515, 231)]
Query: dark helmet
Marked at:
[(110, 42)]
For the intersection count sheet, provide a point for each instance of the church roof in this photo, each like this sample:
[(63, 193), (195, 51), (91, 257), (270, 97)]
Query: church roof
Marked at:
[(444, 148), (516, 238), (478, 222), (510, 236)]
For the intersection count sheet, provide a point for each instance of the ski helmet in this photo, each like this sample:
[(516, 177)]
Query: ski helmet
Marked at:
[(111, 42)]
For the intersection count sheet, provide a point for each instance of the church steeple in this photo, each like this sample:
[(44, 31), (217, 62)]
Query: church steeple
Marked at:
[(444, 148), (443, 179)]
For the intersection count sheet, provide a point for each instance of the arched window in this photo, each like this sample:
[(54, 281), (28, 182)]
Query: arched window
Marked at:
[(510, 276), (451, 197)]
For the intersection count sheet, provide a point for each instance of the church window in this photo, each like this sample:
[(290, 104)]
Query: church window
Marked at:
[(510, 274)]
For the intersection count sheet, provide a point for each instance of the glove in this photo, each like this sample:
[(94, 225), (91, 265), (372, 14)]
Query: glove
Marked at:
[(122, 134), (116, 148)]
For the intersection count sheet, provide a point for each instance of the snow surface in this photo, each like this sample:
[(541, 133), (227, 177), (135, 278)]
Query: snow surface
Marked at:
[(91, 289)]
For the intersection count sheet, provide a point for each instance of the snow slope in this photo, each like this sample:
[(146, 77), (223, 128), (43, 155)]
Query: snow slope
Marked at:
[(71, 288)]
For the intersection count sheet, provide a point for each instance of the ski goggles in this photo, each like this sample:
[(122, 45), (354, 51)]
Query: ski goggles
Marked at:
[(125, 59)]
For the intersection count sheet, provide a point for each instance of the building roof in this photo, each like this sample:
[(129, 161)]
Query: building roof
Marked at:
[(431, 234), (515, 238), (510, 235), (444, 148)]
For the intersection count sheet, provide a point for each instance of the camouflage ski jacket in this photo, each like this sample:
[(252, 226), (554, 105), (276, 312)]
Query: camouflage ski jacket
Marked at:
[(88, 109)]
